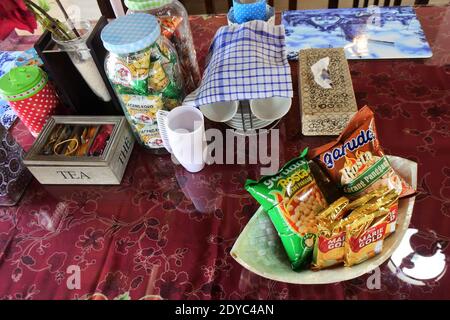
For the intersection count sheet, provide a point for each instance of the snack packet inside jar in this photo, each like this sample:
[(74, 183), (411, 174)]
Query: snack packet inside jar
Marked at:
[(292, 200), (356, 161), (144, 70)]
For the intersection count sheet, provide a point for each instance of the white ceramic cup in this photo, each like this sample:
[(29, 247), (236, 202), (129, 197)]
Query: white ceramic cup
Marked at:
[(183, 133), (220, 111), (271, 108)]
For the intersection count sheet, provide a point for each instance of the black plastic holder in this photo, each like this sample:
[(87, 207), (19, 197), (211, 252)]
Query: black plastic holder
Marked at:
[(72, 89)]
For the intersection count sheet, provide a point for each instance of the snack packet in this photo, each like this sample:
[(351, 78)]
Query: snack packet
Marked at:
[(389, 204), (130, 73), (169, 25), (292, 200), (364, 237), (329, 245), (149, 72), (356, 161), (386, 204), (335, 211), (361, 201)]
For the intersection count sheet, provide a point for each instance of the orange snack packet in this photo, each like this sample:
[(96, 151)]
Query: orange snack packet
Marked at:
[(356, 161)]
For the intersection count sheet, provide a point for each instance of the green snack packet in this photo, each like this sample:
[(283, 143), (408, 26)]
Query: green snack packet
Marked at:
[(292, 200), (172, 91), (129, 74)]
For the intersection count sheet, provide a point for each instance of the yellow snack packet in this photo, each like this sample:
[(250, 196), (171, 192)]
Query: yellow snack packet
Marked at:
[(368, 197), (364, 237), (389, 204), (372, 217), (335, 211), (329, 245)]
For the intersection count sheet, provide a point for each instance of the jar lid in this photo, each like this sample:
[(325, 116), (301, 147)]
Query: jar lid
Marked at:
[(131, 33), (139, 5), (20, 79)]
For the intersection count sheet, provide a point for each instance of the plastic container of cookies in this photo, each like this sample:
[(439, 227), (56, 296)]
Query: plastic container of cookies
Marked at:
[(174, 21), (144, 70)]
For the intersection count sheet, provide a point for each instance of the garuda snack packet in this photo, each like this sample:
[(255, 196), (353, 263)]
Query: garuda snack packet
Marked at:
[(292, 199), (356, 161)]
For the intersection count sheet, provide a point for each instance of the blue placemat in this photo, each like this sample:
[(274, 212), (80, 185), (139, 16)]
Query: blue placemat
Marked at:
[(365, 33)]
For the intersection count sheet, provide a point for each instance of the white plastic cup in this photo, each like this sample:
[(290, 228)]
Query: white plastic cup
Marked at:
[(183, 133)]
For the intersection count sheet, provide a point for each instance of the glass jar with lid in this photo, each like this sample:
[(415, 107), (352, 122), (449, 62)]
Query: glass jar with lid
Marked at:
[(175, 26), (144, 70)]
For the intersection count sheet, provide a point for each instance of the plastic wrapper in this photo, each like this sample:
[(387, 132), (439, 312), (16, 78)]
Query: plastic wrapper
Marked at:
[(389, 204), (153, 71), (356, 161), (364, 237), (335, 211), (146, 82), (329, 246), (292, 200), (342, 216)]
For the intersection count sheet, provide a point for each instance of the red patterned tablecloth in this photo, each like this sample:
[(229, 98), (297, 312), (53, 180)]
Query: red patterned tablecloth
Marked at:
[(167, 233)]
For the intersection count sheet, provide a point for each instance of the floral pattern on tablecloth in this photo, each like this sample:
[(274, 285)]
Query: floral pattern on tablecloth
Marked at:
[(166, 234)]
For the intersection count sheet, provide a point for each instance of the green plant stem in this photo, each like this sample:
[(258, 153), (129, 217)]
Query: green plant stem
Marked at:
[(74, 30), (52, 25)]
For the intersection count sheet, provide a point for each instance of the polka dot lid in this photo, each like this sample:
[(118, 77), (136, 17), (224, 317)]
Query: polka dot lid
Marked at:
[(131, 33), (244, 12)]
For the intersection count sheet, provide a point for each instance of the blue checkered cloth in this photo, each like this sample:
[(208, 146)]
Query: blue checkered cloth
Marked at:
[(246, 61)]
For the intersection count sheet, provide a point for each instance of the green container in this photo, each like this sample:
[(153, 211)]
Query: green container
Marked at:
[(22, 83)]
